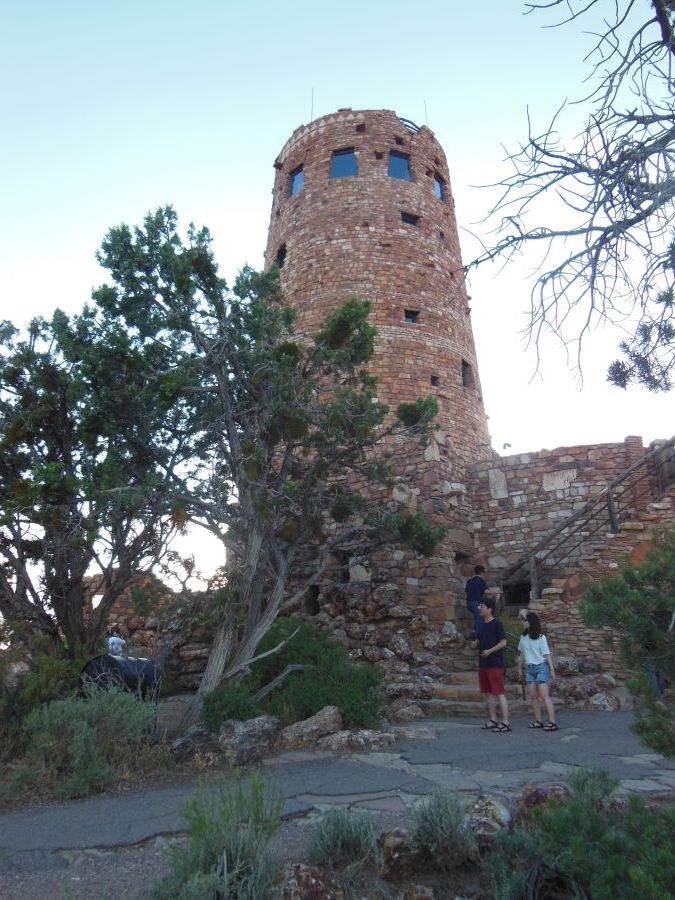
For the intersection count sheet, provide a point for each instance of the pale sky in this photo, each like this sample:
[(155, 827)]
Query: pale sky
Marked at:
[(112, 109)]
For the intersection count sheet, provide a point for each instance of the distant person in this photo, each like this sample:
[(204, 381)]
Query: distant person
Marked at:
[(491, 642), (116, 645), (475, 591), (534, 657)]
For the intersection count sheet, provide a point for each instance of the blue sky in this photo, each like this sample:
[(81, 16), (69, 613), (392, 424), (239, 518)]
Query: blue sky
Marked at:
[(112, 109)]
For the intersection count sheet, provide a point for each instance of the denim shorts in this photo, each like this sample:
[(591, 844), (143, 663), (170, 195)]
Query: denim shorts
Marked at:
[(536, 673)]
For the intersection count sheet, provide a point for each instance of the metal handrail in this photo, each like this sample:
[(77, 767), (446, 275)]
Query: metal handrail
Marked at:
[(606, 499)]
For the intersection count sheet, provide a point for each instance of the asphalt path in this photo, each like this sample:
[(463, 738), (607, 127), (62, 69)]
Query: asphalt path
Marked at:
[(456, 753)]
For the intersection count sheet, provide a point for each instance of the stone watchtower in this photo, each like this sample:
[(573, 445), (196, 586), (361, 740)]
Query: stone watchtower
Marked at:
[(363, 207)]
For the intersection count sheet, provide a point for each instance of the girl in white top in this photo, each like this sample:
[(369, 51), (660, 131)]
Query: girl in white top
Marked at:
[(535, 658)]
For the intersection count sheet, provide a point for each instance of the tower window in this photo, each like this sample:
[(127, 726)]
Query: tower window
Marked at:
[(399, 166), (439, 187), (434, 381), (361, 127), (343, 163), (411, 316), (295, 181), (280, 258), (410, 219), (467, 375), (399, 141)]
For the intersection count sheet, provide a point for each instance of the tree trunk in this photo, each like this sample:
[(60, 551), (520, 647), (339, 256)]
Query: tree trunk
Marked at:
[(218, 658)]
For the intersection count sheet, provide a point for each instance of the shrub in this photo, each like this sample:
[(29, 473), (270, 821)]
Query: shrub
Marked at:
[(231, 700), (440, 829), (589, 845), (331, 678), (227, 853), (78, 745), (345, 839)]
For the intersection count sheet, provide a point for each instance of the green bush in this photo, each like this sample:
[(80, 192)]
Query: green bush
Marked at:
[(440, 830), (345, 839), (330, 679), (227, 853), (79, 745), (591, 846)]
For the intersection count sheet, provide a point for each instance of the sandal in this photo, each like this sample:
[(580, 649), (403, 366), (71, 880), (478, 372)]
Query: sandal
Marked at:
[(536, 724), (490, 725), (503, 728), (551, 726)]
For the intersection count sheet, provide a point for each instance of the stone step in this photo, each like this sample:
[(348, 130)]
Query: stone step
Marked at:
[(440, 708), (469, 691)]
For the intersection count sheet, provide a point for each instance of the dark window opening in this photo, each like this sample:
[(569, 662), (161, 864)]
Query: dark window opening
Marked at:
[(379, 155), (467, 374), (461, 556), (343, 163), (410, 219), (517, 595), (400, 141), (280, 258), (361, 128), (399, 166), (441, 235), (411, 316), (295, 181), (434, 381), (439, 187), (312, 607)]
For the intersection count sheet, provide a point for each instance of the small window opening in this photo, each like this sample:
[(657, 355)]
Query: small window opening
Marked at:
[(343, 163), (399, 166), (439, 187), (517, 595), (295, 181), (434, 381), (312, 607), (379, 155), (441, 235), (410, 219), (411, 316), (461, 556), (361, 127), (399, 140), (467, 374), (280, 258)]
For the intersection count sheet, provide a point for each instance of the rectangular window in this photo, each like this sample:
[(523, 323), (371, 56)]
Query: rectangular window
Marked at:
[(411, 316), (399, 166), (343, 163), (439, 187), (410, 219), (295, 181), (467, 374)]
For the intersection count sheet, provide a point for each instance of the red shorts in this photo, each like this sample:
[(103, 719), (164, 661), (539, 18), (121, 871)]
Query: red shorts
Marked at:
[(491, 681)]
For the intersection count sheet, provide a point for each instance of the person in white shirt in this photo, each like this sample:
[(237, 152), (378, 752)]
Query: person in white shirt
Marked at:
[(534, 657), (116, 644)]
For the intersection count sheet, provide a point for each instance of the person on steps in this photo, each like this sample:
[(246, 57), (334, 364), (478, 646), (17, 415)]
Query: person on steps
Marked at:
[(491, 642), (535, 657), (475, 591)]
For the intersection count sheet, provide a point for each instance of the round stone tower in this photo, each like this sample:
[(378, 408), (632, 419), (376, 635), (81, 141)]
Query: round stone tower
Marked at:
[(363, 207)]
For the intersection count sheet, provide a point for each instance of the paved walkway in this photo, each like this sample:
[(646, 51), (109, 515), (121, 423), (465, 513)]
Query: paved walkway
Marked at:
[(455, 752)]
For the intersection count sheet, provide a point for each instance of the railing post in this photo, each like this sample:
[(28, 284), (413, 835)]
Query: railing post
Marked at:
[(611, 509), (535, 587)]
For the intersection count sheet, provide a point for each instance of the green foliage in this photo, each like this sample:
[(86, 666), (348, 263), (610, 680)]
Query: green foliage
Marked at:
[(231, 700), (345, 839), (440, 830), (414, 531), (227, 853), (331, 679), (80, 745), (637, 608), (607, 852), (419, 414)]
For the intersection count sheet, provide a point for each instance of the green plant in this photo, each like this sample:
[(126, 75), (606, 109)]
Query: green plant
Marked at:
[(227, 853), (79, 745), (231, 700), (330, 678), (593, 846), (345, 839), (440, 829)]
